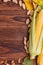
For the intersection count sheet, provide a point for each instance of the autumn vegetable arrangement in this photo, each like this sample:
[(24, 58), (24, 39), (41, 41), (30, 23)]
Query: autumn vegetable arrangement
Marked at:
[(35, 41)]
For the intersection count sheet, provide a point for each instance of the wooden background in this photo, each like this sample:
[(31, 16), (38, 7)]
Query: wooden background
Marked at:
[(12, 31)]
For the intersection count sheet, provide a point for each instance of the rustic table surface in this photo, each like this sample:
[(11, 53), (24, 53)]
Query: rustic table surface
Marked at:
[(12, 31)]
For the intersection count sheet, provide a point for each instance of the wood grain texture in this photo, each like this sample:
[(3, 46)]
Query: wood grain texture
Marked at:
[(12, 31)]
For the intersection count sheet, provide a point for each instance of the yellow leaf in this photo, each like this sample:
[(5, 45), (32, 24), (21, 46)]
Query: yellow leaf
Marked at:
[(39, 2), (28, 4)]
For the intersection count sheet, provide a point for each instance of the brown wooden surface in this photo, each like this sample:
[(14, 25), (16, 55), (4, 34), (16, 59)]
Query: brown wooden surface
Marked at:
[(12, 31)]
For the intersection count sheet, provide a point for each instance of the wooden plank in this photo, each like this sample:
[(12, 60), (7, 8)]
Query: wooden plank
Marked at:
[(13, 18), (6, 12), (11, 56), (11, 10), (12, 32), (11, 23), (12, 7)]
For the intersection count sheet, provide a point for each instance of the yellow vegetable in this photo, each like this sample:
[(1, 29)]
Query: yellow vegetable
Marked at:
[(39, 24), (40, 57), (39, 2), (28, 4), (36, 34)]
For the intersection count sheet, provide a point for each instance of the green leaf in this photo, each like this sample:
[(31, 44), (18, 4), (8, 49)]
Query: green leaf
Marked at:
[(27, 61)]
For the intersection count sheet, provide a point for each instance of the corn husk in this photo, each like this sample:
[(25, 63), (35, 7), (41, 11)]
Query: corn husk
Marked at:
[(34, 46)]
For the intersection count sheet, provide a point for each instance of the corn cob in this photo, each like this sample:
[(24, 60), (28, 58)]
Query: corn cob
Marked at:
[(38, 30), (40, 57), (35, 38)]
